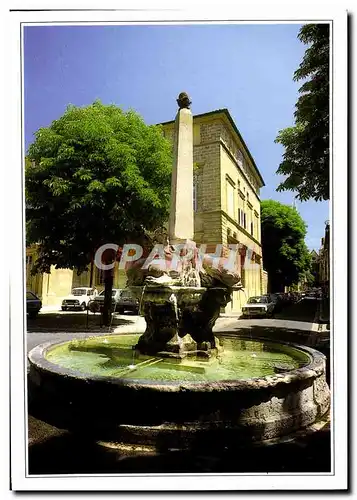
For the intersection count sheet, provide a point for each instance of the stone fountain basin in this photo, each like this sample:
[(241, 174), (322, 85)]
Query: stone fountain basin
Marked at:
[(177, 414)]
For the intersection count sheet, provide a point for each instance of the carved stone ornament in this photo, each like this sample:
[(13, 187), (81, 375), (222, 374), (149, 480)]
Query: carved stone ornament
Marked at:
[(183, 101)]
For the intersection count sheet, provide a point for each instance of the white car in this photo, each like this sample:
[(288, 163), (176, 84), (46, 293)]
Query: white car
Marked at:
[(263, 305), (79, 298)]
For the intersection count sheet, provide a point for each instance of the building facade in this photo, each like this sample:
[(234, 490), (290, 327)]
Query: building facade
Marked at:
[(53, 287), (315, 267), (226, 192), (324, 261)]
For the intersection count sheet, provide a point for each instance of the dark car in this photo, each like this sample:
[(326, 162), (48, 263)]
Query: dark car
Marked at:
[(33, 305), (97, 304), (127, 302), (278, 299)]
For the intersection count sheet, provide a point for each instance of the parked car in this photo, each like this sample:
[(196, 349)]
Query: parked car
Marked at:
[(97, 304), (33, 305), (262, 305), (127, 302), (79, 298), (279, 301)]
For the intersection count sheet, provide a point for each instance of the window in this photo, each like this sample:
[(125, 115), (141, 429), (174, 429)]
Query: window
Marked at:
[(242, 218), (79, 291), (242, 269), (240, 158), (230, 199), (257, 227), (258, 300), (251, 229)]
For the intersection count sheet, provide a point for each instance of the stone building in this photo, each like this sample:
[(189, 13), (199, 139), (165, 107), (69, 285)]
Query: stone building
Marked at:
[(226, 192), (315, 264), (324, 261)]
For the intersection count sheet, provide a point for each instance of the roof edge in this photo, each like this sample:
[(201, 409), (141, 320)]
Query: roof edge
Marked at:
[(234, 126)]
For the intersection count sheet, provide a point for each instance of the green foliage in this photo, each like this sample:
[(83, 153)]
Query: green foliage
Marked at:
[(285, 255), (95, 175), (306, 158)]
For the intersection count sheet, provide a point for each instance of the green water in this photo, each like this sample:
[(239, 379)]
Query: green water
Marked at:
[(113, 356)]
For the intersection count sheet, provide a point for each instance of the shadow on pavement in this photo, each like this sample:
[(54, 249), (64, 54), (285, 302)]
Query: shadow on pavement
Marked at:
[(74, 322), (305, 310)]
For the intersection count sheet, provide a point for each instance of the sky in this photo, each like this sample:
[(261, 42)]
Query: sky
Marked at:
[(246, 68)]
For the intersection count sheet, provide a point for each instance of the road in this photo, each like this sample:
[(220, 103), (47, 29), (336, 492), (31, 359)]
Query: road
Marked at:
[(295, 324)]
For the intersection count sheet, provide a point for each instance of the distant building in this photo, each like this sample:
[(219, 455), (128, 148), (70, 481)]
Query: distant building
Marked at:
[(226, 191), (324, 260), (315, 267)]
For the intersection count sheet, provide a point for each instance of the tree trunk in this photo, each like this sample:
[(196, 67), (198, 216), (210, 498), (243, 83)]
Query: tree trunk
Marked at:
[(108, 287), (275, 284)]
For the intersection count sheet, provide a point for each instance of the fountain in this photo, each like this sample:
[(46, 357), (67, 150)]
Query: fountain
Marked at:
[(176, 385)]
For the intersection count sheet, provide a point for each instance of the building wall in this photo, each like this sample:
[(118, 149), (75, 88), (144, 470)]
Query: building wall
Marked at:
[(324, 261), (56, 286), (226, 194), (264, 282), (34, 283)]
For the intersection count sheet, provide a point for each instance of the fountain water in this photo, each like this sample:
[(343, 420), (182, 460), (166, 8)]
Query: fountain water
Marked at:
[(176, 384)]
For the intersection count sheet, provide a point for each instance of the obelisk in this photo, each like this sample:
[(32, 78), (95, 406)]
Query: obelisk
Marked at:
[(181, 225)]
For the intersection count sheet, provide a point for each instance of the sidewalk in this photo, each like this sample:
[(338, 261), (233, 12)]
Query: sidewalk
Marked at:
[(51, 319), (51, 308), (54, 320), (324, 311)]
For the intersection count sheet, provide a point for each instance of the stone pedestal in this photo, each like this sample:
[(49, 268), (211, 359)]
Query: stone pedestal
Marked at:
[(181, 225)]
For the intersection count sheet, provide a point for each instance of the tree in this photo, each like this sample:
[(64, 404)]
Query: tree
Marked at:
[(285, 254), (306, 158), (96, 175)]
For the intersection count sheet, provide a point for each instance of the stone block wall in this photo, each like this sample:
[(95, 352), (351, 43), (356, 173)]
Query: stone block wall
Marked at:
[(206, 159)]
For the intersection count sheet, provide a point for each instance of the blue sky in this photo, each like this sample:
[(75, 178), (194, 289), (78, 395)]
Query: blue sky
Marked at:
[(245, 68)]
